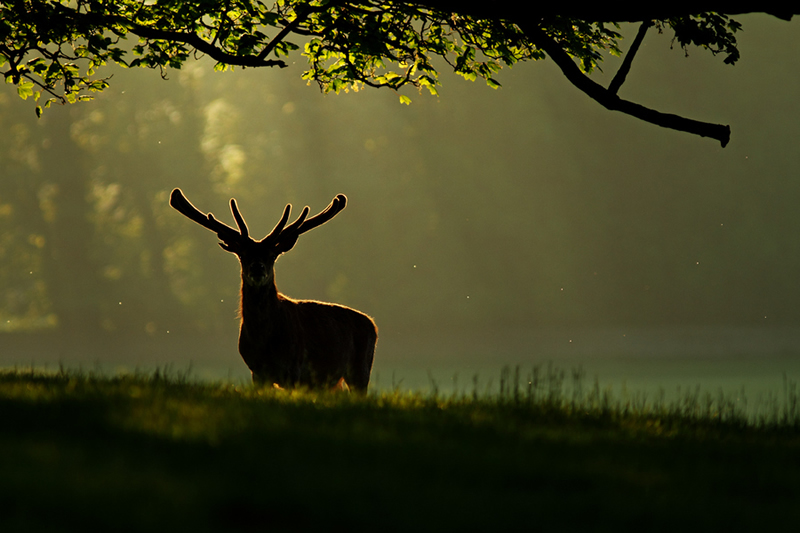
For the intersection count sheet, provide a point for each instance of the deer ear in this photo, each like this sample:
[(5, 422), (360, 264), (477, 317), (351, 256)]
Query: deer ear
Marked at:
[(226, 247), (284, 245)]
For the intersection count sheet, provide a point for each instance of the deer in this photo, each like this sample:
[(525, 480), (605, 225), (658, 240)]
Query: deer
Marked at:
[(288, 343)]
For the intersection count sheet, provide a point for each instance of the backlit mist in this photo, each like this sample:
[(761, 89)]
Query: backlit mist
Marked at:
[(483, 227)]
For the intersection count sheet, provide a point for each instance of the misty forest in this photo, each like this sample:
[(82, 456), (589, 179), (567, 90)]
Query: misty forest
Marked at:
[(487, 229), (476, 217)]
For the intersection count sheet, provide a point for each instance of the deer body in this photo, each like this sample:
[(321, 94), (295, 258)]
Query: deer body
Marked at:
[(283, 341), (303, 342)]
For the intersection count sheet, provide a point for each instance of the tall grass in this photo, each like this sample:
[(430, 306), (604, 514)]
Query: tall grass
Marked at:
[(543, 449), (548, 388), (541, 389)]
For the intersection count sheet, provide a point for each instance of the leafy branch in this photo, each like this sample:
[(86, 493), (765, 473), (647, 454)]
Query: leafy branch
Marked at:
[(51, 49)]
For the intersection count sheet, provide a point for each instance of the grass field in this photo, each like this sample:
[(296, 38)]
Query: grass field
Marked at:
[(152, 452)]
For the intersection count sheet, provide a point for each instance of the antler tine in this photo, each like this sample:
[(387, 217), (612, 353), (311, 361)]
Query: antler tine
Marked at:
[(276, 231), (181, 204), (239, 219), (297, 223), (328, 213), (288, 237)]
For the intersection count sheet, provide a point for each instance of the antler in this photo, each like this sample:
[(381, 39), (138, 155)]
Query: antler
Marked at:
[(333, 209), (226, 234), (286, 237)]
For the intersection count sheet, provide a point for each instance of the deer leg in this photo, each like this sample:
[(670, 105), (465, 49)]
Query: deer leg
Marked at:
[(361, 367), (341, 385)]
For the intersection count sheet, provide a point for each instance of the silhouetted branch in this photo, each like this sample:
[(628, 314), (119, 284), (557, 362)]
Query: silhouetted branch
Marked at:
[(199, 44), (189, 38), (622, 73), (512, 10), (611, 101), (289, 28)]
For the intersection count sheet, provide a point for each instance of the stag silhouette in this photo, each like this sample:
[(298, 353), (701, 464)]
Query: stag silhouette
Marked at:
[(286, 342)]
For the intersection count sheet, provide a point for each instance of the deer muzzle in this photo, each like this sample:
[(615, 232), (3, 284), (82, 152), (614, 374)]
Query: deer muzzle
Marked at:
[(257, 274)]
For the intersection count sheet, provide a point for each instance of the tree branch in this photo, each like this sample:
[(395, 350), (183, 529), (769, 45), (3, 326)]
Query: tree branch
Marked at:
[(207, 48), (611, 101), (622, 73), (290, 27), (192, 39), (511, 10)]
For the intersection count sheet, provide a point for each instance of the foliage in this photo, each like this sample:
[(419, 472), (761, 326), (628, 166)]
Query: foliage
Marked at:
[(711, 31), (163, 452), (51, 49)]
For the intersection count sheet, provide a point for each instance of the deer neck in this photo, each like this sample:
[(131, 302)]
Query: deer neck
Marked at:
[(260, 306)]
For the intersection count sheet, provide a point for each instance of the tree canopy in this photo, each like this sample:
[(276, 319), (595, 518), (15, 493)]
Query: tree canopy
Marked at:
[(52, 49)]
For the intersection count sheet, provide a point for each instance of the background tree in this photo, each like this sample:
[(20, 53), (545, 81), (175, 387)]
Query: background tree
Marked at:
[(51, 49)]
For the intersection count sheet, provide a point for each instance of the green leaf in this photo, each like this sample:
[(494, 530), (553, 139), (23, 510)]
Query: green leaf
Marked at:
[(405, 99), (25, 89)]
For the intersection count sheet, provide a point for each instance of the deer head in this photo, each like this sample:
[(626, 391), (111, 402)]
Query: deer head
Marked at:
[(257, 257)]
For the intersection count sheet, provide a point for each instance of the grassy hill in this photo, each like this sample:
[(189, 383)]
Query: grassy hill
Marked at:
[(130, 453)]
